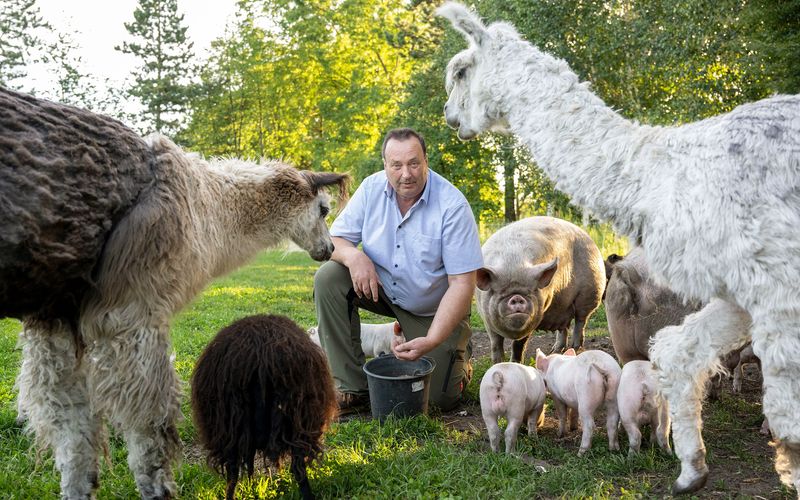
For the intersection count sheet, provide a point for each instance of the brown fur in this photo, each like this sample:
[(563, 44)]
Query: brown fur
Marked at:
[(262, 387)]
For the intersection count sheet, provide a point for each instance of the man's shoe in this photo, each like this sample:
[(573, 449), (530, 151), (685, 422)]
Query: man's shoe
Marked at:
[(350, 402)]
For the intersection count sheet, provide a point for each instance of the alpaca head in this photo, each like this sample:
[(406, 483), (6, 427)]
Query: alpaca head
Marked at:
[(310, 232), (477, 75)]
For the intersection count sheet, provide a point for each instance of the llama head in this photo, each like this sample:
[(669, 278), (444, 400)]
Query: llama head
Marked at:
[(310, 230), (477, 76)]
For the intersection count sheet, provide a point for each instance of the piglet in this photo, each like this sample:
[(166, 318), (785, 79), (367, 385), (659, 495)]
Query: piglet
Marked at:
[(582, 383), (516, 392), (639, 403), (375, 338)]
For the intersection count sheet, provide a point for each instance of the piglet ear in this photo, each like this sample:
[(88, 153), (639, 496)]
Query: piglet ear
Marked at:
[(465, 21), (570, 352), (541, 360), (484, 277), (542, 274)]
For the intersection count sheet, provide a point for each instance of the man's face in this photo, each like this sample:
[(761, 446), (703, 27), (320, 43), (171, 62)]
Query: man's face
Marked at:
[(406, 167)]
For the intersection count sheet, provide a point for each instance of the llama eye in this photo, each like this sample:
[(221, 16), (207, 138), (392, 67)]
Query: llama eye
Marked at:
[(324, 211), (460, 73)]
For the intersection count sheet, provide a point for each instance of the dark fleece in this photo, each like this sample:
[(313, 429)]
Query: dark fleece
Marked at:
[(67, 176)]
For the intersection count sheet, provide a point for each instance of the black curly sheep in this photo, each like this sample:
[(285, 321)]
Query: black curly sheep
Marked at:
[(262, 387)]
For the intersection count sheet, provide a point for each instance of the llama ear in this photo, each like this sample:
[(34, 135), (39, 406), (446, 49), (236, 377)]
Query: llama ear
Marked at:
[(465, 21), (319, 180), (484, 277)]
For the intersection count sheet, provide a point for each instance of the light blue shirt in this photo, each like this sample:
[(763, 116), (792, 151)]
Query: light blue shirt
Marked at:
[(413, 255)]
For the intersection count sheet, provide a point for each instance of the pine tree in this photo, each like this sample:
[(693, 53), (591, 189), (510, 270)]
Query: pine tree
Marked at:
[(161, 82), (20, 27)]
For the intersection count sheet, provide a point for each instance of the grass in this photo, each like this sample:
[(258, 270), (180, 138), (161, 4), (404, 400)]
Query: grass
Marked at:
[(421, 457)]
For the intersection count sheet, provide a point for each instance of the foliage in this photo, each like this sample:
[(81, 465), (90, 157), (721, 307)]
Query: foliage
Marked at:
[(313, 83), (160, 83), (21, 29)]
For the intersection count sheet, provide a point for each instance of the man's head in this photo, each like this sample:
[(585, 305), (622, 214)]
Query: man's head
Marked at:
[(405, 162)]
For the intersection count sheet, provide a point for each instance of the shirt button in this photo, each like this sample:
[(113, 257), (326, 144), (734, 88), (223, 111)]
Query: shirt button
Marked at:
[(398, 246), (395, 265), (400, 226), (394, 282)]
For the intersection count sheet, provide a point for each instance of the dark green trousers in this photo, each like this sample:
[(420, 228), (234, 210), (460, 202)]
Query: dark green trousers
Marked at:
[(340, 335)]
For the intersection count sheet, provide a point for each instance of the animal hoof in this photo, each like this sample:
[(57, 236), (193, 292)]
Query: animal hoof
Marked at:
[(692, 486)]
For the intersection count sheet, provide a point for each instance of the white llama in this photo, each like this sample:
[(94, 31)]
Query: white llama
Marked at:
[(716, 205)]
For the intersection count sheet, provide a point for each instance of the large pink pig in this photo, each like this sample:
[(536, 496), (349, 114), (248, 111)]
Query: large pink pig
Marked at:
[(516, 392), (581, 384), (640, 403)]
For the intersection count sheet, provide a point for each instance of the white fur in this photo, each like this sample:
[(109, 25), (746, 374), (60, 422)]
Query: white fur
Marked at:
[(196, 221), (375, 338), (716, 205)]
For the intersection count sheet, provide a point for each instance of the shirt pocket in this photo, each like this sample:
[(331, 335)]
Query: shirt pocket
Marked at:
[(427, 251)]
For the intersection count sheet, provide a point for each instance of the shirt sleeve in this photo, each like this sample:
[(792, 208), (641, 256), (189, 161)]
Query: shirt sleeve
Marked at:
[(461, 246), (350, 222)]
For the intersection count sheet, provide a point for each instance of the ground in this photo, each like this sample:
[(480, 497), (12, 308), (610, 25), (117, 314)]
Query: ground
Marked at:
[(739, 457)]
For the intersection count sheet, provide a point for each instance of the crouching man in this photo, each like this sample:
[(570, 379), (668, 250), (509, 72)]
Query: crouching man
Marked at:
[(420, 250)]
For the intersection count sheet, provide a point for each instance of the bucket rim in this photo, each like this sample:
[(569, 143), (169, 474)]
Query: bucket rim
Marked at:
[(427, 372)]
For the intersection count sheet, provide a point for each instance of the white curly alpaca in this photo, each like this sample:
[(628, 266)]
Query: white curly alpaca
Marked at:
[(716, 205)]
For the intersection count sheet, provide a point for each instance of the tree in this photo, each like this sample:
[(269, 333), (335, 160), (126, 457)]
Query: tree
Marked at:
[(21, 26), (161, 82)]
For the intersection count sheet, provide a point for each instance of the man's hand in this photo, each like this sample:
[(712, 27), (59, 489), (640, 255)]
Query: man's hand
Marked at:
[(413, 349), (362, 270), (365, 278)]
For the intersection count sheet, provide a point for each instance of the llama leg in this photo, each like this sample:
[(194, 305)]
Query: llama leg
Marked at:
[(684, 357), (661, 425), (775, 342), (53, 396), (136, 386), (300, 474)]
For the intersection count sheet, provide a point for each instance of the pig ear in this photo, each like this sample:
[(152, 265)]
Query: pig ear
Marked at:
[(542, 274), (484, 277), (541, 360), (570, 352)]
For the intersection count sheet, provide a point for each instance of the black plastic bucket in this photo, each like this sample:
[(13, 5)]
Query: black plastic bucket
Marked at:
[(398, 387)]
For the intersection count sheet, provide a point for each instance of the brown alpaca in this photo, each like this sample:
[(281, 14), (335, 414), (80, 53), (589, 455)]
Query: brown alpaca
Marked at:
[(262, 387)]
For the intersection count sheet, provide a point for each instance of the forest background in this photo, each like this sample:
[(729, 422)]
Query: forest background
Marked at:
[(317, 83)]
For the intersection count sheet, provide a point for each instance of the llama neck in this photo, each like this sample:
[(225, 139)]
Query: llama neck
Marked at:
[(589, 150)]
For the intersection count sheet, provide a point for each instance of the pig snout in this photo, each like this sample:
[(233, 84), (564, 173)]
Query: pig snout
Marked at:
[(518, 305)]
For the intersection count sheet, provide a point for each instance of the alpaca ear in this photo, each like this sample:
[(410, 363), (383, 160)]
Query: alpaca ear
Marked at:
[(319, 180), (484, 277), (465, 21)]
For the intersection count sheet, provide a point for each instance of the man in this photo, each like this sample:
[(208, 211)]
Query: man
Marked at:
[(420, 250)]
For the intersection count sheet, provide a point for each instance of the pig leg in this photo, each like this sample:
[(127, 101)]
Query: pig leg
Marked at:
[(535, 419), (634, 436), (590, 396), (775, 342), (563, 416), (518, 349), (684, 357), (512, 429), (496, 342), (612, 419), (573, 419), (561, 341), (493, 430), (578, 332)]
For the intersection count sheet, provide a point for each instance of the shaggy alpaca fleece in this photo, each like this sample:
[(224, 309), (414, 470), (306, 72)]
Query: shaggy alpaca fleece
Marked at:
[(715, 204), (118, 234), (262, 387)]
